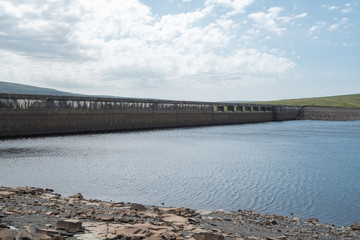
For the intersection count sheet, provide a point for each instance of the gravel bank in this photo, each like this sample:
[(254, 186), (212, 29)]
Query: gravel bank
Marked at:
[(329, 113), (35, 213)]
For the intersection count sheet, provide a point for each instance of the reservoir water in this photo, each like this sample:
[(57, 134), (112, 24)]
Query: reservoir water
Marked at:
[(304, 168)]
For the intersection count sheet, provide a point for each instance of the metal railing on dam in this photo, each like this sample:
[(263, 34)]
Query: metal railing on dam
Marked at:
[(31, 115)]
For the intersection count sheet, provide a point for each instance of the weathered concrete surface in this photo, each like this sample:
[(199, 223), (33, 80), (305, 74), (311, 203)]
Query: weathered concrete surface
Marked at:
[(30, 115), (284, 113), (329, 113)]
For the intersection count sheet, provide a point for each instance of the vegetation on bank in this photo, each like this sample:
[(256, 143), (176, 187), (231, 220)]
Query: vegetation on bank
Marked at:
[(349, 101)]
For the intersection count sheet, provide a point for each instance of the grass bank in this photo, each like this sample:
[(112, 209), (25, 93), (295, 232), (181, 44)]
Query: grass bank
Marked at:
[(349, 101)]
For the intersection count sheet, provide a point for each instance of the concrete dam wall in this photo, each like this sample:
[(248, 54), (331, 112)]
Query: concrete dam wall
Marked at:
[(31, 115)]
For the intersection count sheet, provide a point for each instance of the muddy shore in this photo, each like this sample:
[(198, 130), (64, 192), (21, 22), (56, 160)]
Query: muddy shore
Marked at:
[(35, 213)]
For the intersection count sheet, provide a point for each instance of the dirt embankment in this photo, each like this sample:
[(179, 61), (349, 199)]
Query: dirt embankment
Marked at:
[(329, 113), (34, 213)]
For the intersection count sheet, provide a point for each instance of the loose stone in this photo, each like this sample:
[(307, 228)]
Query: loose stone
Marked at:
[(6, 234), (69, 225), (355, 226), (136, 206), (208, 236)]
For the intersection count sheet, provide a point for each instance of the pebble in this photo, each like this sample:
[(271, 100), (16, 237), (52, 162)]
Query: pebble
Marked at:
[(31, 213)]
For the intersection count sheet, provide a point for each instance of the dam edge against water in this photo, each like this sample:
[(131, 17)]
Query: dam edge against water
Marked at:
[(36, 115)]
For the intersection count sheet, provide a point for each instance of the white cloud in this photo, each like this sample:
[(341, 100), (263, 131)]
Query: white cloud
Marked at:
[(346, 10), (29, 70), (226, 24), (317, 27), (279, 52), (122, 45), (253, 31), (270, 20), (237, 6), (302, 15), (330, 7), (333, 27), (338, 24)]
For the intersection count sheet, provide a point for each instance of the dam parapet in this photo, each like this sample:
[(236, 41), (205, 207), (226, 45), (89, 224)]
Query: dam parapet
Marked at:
[(31, 115)]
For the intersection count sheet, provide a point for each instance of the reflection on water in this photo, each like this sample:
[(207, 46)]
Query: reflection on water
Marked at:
[(308, 168), (19, 152)]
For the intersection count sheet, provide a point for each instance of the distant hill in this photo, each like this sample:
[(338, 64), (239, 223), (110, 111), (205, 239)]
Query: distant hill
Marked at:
[(15, 88), (350, 101)]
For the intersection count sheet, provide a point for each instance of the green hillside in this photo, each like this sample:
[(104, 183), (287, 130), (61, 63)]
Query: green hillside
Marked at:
[(7, 87), (16, 88), (350, 101)]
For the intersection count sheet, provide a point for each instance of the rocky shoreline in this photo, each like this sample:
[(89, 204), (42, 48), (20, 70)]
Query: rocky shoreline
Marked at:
[(329, 113), (35, 213)]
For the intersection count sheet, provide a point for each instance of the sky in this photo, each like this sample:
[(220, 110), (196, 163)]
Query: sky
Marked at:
[(202, 50)]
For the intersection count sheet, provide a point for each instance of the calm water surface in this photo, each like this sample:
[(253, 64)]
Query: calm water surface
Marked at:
[(308, 168)]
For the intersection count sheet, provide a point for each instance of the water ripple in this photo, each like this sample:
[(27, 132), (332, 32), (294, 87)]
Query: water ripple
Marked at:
[(304, 168)]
